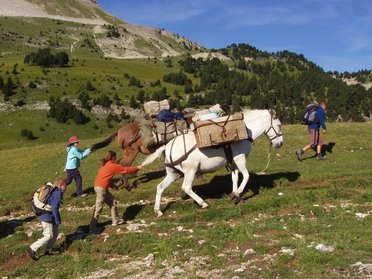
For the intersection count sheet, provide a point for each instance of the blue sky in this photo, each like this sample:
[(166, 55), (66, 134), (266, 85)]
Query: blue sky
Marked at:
[(334, 34)]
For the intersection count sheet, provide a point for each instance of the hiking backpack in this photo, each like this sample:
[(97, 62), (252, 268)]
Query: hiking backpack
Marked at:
[(310, 114), (39, 203)]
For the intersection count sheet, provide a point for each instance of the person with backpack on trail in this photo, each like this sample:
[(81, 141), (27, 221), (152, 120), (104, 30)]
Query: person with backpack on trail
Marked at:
[(102, 183), (74, 155), (50, 220), (316, 141)]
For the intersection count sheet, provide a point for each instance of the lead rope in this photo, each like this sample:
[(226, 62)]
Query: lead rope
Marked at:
[(268, 160)]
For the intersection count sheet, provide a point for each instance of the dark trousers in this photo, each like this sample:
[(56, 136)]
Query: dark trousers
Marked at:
[(74, 174)]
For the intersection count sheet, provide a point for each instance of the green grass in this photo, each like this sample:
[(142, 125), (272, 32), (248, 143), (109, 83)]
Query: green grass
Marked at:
[(317, 205)]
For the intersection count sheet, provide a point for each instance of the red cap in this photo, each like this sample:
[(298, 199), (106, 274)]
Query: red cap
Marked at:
[(73, 140)]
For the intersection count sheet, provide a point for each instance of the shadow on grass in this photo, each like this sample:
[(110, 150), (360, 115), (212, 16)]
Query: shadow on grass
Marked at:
[(8, 227), (81, 233), (146, 177), (267, 181), (132, 211), (220, 186), (326, 148)]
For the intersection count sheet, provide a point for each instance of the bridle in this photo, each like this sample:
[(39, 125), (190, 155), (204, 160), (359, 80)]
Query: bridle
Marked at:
[(132, 140), (272, 127)]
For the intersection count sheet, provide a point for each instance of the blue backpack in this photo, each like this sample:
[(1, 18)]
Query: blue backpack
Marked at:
[(166, 115), (310, 114)]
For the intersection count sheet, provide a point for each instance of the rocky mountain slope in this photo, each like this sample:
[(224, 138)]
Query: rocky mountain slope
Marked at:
[(125, 41)]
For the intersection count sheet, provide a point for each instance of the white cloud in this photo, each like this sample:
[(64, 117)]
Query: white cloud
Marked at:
[(359, 34), (158, 12), (294, 14)]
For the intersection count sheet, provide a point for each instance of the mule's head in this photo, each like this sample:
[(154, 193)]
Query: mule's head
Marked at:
[(274, 130)]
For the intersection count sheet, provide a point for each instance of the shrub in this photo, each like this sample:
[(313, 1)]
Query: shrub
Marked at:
[(20, 103), (28, 134), (133, 81), (64, 110), (179, 78), (44, 57), (32, 84)]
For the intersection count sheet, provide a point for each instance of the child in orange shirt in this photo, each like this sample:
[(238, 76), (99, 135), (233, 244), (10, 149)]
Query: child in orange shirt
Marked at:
[(102, 184)]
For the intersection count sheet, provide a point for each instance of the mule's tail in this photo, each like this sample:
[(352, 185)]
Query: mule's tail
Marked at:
[(151, 158), (104, 143)]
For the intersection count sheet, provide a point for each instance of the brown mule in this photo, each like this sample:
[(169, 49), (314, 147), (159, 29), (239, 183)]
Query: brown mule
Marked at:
[(130, 141)]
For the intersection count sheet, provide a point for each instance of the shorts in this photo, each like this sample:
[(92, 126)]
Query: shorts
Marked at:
[(315, 138)]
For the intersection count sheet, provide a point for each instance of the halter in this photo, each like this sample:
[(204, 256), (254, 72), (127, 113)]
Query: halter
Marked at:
[(132, 140), (272, 127)]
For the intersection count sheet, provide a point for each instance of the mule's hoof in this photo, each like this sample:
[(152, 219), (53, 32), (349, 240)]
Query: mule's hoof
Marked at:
[(204, 205), (158, 213), (237, 199)]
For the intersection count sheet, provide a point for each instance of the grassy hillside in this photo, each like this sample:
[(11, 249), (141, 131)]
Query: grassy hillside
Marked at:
[(72, 8), (287, 212), (109, 77), (23, 35)]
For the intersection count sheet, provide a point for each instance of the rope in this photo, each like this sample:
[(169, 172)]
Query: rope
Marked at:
[(268, 161)]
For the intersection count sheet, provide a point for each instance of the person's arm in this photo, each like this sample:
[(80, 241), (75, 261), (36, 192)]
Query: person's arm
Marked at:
[(119, 169), (55, 200), (321, 118), (80, 154)]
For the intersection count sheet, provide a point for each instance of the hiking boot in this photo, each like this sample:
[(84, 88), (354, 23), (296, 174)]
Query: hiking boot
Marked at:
[(321, 157), (52, 252), (118, 222), (31, 253), (299, 154)]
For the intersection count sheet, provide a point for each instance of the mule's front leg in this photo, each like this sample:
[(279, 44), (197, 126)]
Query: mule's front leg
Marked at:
[(234, 178), (240, 163)]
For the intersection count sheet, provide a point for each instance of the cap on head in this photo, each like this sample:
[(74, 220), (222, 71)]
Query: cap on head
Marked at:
[(72, 140)]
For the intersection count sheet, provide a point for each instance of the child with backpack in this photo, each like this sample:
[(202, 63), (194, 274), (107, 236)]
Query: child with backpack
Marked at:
[(315, 119), (102, 183), (50, 220), (74, 155)]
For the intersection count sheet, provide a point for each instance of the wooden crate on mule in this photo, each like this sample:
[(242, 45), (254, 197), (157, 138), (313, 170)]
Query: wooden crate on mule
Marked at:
[(221, 130)]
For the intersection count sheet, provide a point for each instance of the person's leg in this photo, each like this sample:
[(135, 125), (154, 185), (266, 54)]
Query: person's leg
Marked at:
[(113, 204), (51, 242), (79, 183), (100, 199), (69, 177), (319, 155), (47, 236), (75, 174), (314, 138), (301, 152)]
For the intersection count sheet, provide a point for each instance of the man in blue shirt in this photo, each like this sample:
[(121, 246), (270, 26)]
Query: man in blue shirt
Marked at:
[(50, 220), (315, 138)]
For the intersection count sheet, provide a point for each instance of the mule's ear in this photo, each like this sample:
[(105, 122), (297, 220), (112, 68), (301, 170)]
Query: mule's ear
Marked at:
[(272, 113)]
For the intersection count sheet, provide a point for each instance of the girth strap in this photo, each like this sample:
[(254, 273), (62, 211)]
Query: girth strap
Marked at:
[(181, 159), (229, 157)]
